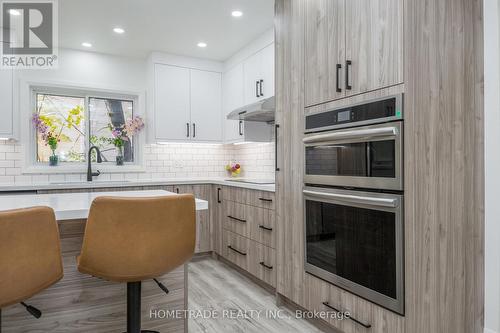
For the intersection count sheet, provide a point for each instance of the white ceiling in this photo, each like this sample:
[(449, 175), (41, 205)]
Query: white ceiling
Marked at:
[(171, 26)]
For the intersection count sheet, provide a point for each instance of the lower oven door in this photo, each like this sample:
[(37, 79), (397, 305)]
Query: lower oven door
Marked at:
[(354, 240), (361, 157)]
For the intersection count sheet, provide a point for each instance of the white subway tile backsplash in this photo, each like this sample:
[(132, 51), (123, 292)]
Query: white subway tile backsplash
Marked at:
[(160, 161), (7, 179)]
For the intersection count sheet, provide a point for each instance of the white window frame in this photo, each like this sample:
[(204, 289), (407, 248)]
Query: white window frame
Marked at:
[(31, 165)]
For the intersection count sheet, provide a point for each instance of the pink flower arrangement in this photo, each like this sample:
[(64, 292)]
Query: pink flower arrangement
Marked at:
[(124, 132)]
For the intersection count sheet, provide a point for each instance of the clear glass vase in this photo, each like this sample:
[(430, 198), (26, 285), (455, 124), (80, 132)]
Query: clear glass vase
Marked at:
[(119, 155), (53, 159)]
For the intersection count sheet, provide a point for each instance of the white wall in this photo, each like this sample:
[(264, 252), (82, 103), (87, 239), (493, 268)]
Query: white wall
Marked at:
[(249, 50), (94, 69), (492, 165)]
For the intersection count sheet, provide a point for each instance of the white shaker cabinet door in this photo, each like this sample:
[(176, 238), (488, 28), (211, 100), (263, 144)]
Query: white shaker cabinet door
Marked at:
[(172, 103), (233, 98), (206, 106), (252, 68), (6, 103), (267, 74)]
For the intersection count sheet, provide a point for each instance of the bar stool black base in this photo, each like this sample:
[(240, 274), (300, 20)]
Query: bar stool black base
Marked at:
[(134, 308)]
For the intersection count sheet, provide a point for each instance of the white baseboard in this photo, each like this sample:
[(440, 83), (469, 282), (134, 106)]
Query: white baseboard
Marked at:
[(487, 330)]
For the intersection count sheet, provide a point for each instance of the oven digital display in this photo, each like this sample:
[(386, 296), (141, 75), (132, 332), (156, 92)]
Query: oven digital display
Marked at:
[(344, 116)]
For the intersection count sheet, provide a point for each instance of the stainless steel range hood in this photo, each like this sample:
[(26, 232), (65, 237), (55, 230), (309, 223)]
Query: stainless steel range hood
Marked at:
[(262, 111)]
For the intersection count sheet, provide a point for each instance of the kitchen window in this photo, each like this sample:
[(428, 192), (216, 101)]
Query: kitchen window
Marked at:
[(81, 120)]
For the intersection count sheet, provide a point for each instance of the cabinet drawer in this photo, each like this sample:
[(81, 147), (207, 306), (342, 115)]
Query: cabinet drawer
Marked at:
[(262, 263), (252, 222), (236, 249), (322, 296), (262, 226), (255, 198), (236, 218)]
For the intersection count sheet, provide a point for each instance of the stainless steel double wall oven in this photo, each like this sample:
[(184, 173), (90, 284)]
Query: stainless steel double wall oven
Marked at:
[(353, 196)]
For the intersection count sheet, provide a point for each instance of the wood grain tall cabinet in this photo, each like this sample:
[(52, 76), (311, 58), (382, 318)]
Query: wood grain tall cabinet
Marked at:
[(432, 51), (351, 47)]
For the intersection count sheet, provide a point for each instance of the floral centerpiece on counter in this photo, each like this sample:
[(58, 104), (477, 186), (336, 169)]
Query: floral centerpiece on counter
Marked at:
[(234, 169), (50, 129), (124, 133)]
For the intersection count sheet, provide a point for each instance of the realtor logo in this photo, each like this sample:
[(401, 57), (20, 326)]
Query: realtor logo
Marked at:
[(29, 34)]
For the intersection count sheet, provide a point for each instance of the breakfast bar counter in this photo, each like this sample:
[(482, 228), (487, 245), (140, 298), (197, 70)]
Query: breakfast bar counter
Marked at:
[(82, 303), (71, 206)]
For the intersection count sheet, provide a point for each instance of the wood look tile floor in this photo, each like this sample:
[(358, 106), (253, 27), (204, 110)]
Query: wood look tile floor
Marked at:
[(214, 286)]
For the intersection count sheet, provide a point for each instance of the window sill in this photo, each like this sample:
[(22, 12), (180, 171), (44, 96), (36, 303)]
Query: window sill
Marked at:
[(82, 169)]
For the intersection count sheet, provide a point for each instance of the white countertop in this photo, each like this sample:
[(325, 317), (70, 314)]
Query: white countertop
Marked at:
[(131, 183), (70, 206)]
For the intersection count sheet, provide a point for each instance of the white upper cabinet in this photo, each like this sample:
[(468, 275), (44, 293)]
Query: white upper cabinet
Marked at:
[(233, 98), (267, 71), (206, 109), (172, 103), (187, 104), (6, 103), (259, 75), (252, 69)]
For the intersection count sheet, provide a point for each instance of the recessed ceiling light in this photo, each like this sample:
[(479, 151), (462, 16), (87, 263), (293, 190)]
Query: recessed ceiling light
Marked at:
[(237, 13), (202, 44), (118, 30), (86, 44), (14, 12)]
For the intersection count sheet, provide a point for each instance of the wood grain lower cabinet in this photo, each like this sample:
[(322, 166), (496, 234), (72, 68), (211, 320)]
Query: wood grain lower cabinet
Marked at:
[(252, 222), (363, 316), (246, 220), (203, 224), (259, 260), (236, 249), (263, 199), (262, 262)]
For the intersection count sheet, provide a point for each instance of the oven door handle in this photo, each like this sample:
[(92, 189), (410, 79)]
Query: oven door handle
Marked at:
[(389, 131), (382, 202)]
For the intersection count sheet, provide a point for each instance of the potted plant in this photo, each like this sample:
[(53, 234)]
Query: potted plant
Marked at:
[(124, 133)]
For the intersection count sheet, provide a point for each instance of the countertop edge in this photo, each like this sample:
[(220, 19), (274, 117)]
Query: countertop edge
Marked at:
[(9, 189)]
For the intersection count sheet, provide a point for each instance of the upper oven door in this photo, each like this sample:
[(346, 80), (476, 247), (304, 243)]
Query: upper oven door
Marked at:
[(363, 157)]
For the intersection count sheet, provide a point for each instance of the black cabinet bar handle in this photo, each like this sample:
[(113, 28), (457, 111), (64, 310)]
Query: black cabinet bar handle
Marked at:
[(240, 128), (177, 190), (236, 219), (264, 265), (256, 88), (348, 64), (276, 127), (339, 67), (194, 130), (353, 319), (260, 88), (265, 228), (266, 200), (218, 195), (239, 252), (187, 130)]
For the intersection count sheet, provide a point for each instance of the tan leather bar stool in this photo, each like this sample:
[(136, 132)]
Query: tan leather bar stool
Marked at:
[(135, 239), (30, 255)]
